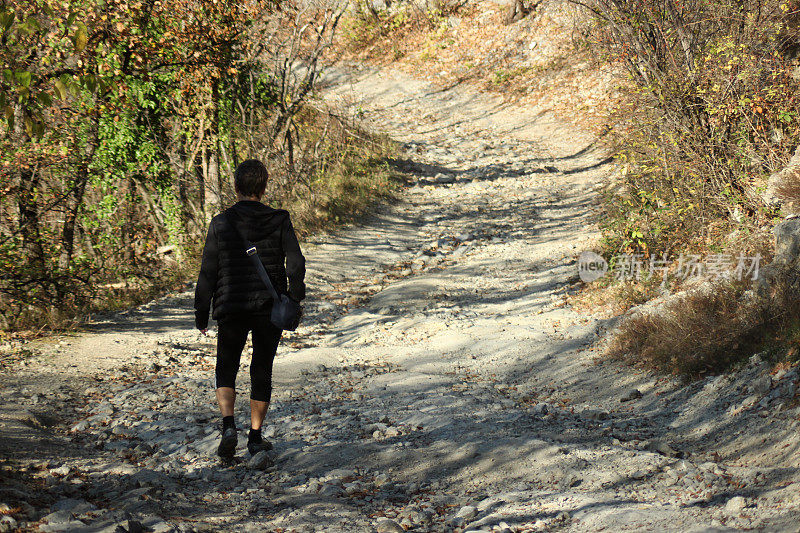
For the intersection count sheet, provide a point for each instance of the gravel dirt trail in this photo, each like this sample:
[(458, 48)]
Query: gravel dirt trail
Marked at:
[(441, 382)]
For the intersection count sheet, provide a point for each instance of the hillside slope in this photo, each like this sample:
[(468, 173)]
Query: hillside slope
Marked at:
[(441, 381)]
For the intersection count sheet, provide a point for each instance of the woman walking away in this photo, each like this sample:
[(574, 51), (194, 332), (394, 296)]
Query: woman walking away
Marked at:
[(241, 300)]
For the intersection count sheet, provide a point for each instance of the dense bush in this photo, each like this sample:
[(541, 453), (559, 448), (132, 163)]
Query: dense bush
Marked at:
[(122, 124), (713, 111)]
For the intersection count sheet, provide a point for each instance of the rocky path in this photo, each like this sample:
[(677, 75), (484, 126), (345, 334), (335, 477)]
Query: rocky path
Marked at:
[(440, 383)]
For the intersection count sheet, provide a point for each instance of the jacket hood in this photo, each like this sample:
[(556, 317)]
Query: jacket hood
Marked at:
[(255, 220)]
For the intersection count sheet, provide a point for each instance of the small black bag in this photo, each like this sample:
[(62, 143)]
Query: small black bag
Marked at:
[(286, 313)]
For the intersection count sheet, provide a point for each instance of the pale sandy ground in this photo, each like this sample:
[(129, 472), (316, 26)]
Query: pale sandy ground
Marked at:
[(440, 381)]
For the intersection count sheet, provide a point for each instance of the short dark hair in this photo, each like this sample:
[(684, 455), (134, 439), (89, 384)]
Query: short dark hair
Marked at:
[(250, 178)]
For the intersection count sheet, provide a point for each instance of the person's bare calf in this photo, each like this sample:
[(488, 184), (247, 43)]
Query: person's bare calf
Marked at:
[(258, 412), (226, 398), (255, 443)]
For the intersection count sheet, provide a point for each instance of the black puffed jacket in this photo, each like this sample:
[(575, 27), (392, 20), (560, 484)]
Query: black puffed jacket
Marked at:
[(227, 276)]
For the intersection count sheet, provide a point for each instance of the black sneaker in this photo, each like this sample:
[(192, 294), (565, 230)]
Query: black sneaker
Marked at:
[(227, 444), (258, 446)]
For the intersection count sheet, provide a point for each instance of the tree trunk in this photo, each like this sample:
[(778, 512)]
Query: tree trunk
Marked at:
[(129, 227), (211, 193), (28, 180), (29, 219), (74, 204), (74, 201)]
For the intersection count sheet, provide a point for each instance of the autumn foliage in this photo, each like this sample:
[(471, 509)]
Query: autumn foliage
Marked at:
[(121, 124), (713, 111)]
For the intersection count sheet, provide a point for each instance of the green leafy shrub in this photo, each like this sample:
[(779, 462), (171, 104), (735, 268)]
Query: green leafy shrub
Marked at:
[(121, 124)]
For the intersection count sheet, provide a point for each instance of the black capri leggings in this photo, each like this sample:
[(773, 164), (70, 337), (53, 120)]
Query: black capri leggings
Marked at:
[(231, 337)]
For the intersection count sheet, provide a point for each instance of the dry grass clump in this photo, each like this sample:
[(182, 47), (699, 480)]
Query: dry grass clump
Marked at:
[(340, 171), (711, 330)]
